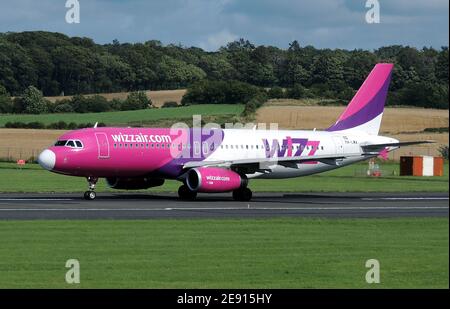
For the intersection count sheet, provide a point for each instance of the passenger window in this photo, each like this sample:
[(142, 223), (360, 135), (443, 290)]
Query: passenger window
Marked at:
[(80, 145), (70, 144)]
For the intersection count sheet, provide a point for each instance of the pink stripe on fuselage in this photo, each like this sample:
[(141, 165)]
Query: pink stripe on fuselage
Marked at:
[(368, 90)]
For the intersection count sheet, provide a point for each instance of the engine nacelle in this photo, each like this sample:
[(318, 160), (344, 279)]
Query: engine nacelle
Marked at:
[(134, 183), (214, 180)]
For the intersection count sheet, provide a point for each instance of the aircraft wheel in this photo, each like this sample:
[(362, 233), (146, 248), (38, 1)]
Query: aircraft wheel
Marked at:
[(243, 195), (185, 194), (90, 195)]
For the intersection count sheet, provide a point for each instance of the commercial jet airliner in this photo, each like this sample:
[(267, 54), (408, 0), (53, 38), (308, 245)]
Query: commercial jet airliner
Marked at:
[(224, 160)]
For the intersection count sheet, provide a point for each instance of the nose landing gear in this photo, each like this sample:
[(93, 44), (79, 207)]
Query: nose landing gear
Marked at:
[(91, 195)]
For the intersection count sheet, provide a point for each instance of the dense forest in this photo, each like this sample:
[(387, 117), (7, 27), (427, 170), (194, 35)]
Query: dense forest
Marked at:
[(57, 64)]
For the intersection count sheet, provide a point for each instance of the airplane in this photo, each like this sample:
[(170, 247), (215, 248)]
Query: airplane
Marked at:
[(220, 160)]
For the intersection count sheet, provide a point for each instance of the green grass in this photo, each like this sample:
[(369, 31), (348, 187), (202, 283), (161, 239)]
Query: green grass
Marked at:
[(130, 117), (33, 178), (250, 253)]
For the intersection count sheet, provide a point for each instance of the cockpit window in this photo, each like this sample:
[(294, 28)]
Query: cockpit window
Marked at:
[(70, 143), (60, 143)]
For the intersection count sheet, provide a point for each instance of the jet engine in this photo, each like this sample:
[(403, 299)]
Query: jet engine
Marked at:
[(214, 180)]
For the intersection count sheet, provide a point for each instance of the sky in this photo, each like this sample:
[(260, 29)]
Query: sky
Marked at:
[(210, 24)]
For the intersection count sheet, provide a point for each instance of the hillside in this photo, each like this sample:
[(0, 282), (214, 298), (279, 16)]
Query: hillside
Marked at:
[(57, 64)]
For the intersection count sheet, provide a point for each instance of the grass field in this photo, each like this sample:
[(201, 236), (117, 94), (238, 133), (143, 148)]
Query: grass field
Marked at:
[(32, 178), (130, 117), (266, 253)]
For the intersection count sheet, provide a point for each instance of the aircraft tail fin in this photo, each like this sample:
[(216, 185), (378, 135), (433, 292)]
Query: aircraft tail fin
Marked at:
[(365, 110)]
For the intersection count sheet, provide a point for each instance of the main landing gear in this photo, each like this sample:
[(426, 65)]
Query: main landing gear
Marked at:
[(186, 194), (242, 194), (91, 195)]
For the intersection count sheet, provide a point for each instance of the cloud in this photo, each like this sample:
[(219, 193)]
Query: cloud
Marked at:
[(216, 40), (211, 24)]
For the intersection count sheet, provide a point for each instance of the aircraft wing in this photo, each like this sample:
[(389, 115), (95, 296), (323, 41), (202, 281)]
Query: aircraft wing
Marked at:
[(255, 163)]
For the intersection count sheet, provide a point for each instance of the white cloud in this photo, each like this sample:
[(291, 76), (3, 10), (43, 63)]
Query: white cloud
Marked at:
[(216, 40)]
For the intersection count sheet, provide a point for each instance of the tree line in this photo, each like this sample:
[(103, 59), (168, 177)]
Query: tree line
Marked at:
[(32, 101), (57, 64)]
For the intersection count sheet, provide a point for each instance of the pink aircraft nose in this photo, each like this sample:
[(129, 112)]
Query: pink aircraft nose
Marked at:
[(47, 159)]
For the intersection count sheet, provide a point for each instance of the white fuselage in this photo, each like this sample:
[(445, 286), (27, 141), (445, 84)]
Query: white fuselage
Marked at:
[(259, 144)]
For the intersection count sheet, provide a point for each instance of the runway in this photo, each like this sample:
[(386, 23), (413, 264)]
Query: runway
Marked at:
[(263, 205)]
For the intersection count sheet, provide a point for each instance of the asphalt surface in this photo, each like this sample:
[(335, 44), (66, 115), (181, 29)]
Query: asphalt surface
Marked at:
[(153, 206)]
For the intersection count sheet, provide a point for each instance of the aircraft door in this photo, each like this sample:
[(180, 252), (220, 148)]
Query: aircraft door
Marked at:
[(103, 145), (339, 144)]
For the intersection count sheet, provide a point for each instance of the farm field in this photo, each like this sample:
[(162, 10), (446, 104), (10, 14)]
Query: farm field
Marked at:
[(405, 124), (158, 97)]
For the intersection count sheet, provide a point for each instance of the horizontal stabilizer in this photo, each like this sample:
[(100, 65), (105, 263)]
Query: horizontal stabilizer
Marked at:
[(377, 147)]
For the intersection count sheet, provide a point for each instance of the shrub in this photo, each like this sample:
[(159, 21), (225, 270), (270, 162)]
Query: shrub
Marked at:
[(97, 104), (116, 104), (63, 108), (136, 100), (220, 92), (14, 125), (443, 150), (35, 125), (6, 105), (79, 104), (72, 126), (276, 93), (169, 104), (60, 125), (252, 105), (33, 101), (297, 92)]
